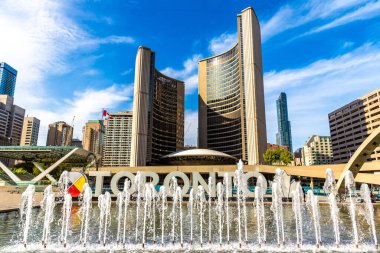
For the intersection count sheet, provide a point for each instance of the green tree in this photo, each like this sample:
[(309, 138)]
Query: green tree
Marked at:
[(269, 156), (277, 156), (285, 157), (20, 171)]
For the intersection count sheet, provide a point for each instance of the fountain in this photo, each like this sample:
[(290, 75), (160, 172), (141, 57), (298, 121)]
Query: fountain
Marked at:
[(85, 213), (241, 189), (27, 199), (297, 205), (200, 202), (350, 187), (369, 214), (227, 185), (312, 203), (219, 210), (140, 185), (260, 211), (209, 209), (66, 211), (277, 206), (330, 189), (191, 208), (104, 204), (149, 217), (162, 209), (47, 206)]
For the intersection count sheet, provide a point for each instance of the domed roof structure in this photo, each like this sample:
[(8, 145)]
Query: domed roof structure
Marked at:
[(198, 156)]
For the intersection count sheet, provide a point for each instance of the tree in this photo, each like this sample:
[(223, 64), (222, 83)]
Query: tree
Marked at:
[(277, 156), (285, 157), (269, 156)]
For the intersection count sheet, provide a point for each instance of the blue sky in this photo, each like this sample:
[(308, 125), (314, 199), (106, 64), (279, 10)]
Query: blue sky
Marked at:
[(76, 57)]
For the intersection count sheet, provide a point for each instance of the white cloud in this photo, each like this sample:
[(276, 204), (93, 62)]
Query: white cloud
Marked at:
[(191, 127), (222, 43), (126, 72), (188, 74), (39, 39), (321, 87), (84, 105), (368, 11), (292, 16)]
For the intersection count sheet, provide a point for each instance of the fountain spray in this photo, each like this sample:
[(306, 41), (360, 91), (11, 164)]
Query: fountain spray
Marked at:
[(26, 207), (66, 211), (200, 203), (173, 189), (297, 205), (350, 186), (147, 206), (209, 208), (312, 203), (85, 212), (219, 210), (191, 207), (104, 204), (277, 206), (227, 186), (179, 197), (47, 206), (330, 188), (162, 195), (240, 185), (140, 185), (127, 198), (366, 195), (154, 197), (260, 212)]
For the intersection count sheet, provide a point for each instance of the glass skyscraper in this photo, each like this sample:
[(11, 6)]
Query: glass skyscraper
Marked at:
[(284, 135), (7, 79)]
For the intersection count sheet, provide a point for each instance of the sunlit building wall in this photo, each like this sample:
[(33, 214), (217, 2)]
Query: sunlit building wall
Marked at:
[(158, 112), (231, 96)]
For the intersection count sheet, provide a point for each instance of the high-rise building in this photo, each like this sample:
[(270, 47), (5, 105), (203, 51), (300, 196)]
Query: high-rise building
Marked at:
[(93, 136), (284, 135), (59, 134), (231, 96), (351, 124), (158, 112), (30, 130), (7, 79), (297, 155), (317, 150), (11, 119), (117, 140), (11, 124)]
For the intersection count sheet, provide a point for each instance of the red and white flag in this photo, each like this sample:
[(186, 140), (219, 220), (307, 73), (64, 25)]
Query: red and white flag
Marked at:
[(106, 114)]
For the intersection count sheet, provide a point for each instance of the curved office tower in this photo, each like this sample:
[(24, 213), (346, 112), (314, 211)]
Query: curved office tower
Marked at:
[(231, 96), (158, 112)]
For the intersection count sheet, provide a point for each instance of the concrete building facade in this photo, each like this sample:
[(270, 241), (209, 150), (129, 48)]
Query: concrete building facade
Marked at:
[(317, 150), (231, 96), (284, 135), (352, 123), (11, 120), (8, 77), (158, 112), (30, 130), (59, 134), (93, 136), (117, 140)]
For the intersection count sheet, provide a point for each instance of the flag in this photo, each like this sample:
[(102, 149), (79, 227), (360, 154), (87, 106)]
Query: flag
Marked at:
[(104, 113)]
